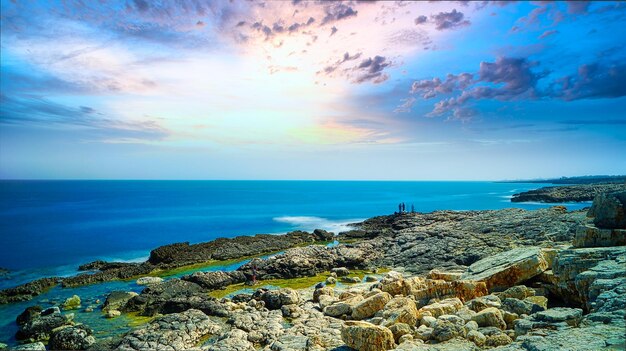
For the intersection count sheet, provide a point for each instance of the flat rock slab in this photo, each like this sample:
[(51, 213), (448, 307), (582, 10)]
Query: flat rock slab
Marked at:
[(509, 268)]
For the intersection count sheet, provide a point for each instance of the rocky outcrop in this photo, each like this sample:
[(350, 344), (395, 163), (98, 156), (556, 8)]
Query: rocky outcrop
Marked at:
[(108, 272), (178, 331), (570, 193), (609, 210), (182, 254), (450, 241), (27, 291), (510, 268)]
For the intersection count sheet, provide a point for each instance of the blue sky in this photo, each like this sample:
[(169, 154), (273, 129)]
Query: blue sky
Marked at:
[(196, 89)]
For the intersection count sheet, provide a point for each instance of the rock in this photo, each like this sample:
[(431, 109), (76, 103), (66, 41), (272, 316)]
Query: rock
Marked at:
[(446, 330), (509, 268), (538, 300), (480, 303), (149, 280), (571, 316), (471, 325), (400, 310), (117, 300), (424, 333), (609, 210), (351, 280), (520, 306), (40, 328), (28, 315), (215, 280), (113, 313), (72, 338), (570, 193), (519, 292), (36, 346), (498, 340), (51, 310), (400, 329), (436, 274), (368, 307), (275, 299), (177, 331), (89, 309), (476, 337), (27, 291), (490, 317), (591, 236), (447, 306), (370, 279), (429, 321), (331, 280), (363, 336), (322, 291), (341, 271), (3, 346), (72, 303), (322, 235)]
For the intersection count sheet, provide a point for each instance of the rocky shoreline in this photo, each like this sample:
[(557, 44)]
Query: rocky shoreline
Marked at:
[(503, 280), (169, 257), (570, 193)]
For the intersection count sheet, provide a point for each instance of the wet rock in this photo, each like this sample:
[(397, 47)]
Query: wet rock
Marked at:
[(370, 279), (341, 271), (78, 337), (72, 303), (112, 314), (28, 315), (117, 300), (36, 346), (27, 291), (177, 331), (40, 328), (351, 280), (363, 336)]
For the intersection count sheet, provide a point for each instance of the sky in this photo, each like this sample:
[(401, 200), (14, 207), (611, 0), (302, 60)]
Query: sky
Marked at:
[(193, 89)]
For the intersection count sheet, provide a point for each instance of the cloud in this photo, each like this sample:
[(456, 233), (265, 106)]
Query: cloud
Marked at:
[(371, 69), (595, 122), (45, 113), (421, 19), (505, 79), (336, 12), (449, 20), (592, 81), (548, 33)]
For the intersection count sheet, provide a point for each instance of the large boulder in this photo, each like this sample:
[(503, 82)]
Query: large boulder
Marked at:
[(28, 315), (275, 299), (363, 336), (608, 210), (368, 307), (117, 300), (509, 268), (490, 317), (78, 337)]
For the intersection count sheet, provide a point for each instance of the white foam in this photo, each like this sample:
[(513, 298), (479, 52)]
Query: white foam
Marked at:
[(309, 223)]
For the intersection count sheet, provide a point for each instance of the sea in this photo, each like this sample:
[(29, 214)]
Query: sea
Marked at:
[(48, 228)]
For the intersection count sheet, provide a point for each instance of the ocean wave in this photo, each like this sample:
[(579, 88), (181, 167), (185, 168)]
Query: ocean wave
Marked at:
[(309, 223)]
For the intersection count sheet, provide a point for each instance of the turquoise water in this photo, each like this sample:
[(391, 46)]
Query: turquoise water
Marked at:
[(48, 228)]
